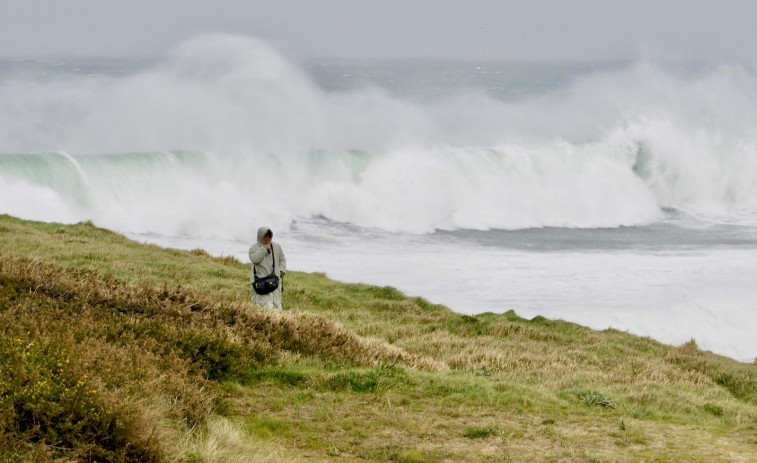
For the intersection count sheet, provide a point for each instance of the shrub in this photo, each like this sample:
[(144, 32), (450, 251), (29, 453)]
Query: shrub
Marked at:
[(49, 402)]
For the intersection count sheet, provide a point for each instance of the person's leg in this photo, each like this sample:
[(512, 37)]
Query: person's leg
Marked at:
[(276, 298), (264, 300)]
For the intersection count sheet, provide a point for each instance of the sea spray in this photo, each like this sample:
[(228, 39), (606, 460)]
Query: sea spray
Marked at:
[(649, 172), (505, 188), (611, 148)]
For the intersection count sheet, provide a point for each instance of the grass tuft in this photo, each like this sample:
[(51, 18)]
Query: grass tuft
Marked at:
[(593, 398), (379, 379), (713, 409), (481, 432)]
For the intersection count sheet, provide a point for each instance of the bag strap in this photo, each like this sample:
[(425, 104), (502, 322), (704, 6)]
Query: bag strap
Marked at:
[(273, 256)]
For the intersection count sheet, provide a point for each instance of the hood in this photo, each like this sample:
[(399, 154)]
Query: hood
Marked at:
[(261, 233)]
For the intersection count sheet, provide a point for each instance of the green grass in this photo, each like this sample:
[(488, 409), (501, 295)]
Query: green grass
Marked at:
[(593, 398), (481, 432), (111, 350)]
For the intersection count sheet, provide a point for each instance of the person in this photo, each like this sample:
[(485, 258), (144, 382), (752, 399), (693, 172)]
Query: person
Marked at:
[(263, 254)]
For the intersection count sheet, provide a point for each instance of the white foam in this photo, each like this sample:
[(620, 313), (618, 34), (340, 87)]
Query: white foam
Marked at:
[(673, 296), (610, 150), (32, 202), (269, 146), (506, 188), (705, 294)]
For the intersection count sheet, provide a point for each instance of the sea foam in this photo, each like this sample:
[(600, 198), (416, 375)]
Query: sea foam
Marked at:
[(611, 149)]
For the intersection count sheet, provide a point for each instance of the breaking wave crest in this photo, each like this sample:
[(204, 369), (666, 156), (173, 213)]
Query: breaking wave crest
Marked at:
[(226, 134)]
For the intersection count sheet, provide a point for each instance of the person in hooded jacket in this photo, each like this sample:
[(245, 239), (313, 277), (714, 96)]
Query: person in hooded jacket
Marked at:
[(262, 255)]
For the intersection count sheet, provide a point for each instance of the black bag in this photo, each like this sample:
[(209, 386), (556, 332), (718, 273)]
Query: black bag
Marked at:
[(266, 284)]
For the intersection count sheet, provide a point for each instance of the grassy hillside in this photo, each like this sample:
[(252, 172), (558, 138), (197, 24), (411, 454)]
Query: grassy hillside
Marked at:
[(117, 351)]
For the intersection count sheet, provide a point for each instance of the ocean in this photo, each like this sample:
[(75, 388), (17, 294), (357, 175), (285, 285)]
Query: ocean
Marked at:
[(618, 195)]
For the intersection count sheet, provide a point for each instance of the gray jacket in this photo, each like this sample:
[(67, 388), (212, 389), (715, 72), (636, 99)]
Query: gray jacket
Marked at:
[(262, 264)]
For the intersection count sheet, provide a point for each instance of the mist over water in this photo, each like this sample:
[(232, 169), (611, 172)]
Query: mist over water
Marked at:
[(599, 148), (411, 158)]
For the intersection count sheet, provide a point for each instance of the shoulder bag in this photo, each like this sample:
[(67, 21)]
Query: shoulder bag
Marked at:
[(266, 284)]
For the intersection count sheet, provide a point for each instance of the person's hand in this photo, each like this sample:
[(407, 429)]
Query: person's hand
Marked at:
[(267, 247)]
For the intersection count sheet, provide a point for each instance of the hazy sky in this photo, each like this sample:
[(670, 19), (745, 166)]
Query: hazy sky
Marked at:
[(700, 30)]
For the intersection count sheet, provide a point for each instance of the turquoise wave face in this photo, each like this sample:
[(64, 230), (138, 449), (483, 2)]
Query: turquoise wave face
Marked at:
[(76, 178), (384, 147), (604, 184)]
